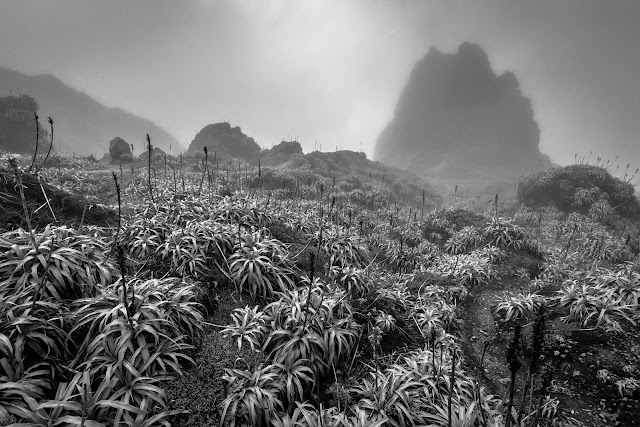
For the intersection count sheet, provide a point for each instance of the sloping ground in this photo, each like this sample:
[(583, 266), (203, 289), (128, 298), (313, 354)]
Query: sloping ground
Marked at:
[(578, 354), (351, 172), (41, 199), (82, 124)]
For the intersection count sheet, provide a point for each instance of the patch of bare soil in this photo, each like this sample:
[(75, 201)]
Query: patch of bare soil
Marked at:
[(202, 388)]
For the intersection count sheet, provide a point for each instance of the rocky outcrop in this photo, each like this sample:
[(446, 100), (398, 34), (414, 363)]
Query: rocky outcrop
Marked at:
[(18, 126), (120, 150), (281, 153), (226, 142), (457, 118)]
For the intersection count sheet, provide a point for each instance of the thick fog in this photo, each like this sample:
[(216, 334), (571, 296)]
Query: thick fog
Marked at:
[(332, 71)]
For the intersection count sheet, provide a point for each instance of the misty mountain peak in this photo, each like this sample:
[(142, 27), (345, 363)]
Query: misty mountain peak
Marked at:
[(472, 51), (457, 118)]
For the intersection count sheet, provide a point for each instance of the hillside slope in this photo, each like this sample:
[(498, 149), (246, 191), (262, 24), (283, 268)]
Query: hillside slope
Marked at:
[(347, 171), (82, 124), (18, 131)]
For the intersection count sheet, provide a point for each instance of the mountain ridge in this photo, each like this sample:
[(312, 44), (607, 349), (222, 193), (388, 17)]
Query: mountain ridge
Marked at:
[(83, 124)]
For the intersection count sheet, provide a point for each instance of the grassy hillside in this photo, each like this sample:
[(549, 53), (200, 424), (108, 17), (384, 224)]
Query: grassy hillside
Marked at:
[(232, 294)]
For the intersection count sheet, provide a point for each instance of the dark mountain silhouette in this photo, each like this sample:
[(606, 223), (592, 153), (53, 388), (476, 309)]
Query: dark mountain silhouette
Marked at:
[(457, 118), (225, 141), (82, 124)]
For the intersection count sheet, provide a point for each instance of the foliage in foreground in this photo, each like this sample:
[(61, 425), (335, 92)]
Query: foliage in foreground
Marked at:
[(109, 316)]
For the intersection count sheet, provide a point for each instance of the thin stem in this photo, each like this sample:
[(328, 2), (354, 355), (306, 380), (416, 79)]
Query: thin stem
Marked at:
[(150, 150), (35, 151)]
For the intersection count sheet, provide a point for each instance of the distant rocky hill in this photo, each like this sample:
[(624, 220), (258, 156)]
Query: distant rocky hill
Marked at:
[(456, 118), (281, 153), (226, 141), (82, 124)]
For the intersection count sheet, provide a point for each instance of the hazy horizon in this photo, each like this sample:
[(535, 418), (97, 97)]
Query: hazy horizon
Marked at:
[(332, 71)]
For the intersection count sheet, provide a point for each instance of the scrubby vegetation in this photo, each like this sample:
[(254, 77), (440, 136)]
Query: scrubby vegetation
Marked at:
[(242, 295), (584, 188)]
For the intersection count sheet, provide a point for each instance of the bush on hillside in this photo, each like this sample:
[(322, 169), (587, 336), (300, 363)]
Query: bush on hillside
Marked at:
[(579, 188)]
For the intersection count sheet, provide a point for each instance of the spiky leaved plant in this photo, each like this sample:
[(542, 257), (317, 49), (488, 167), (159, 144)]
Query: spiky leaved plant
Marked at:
[(44, 275), (27, 217), (249, 326), (121, 265)]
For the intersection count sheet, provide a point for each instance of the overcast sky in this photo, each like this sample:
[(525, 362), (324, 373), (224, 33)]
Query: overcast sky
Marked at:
[(331, 71)]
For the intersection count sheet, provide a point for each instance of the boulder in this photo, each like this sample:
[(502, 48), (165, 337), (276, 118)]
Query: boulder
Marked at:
[(120, 150)]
